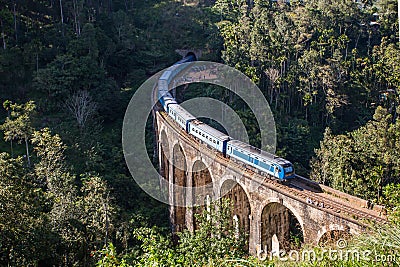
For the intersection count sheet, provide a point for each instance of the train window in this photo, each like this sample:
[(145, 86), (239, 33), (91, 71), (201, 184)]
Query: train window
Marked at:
[(217, 142), (288, 169), (214, 141)]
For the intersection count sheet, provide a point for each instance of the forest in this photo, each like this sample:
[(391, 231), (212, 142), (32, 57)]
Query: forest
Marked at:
[(330, 71)]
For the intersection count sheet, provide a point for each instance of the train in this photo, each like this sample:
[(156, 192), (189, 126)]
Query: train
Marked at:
[(267, 163)]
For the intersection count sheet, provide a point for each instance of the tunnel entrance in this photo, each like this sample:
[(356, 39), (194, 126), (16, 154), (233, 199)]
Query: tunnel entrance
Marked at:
[(202, 189), (191, 54), (180, 177), (240, 207), (278, 223)]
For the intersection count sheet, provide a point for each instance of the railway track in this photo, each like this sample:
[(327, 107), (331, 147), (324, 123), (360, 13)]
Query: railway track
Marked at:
[(320, 200)]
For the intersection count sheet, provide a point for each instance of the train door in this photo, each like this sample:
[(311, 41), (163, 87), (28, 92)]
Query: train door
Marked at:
[(256, 161)]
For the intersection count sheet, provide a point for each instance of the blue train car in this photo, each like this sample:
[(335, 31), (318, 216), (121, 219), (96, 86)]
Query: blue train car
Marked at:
[(166, 78), (172, 71), (280, 168), (166, 101)]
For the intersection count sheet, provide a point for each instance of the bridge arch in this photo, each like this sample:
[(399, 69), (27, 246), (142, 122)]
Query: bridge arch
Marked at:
[(179, 177), (333, 233), (232, 190), (280, 221), (202, 188)]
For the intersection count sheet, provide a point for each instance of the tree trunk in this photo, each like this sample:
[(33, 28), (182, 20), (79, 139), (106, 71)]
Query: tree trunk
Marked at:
[(110, 8), (398, 13), (37, 64), (12, 149), (62, 18), (2, 35), (75, 16), (27, 151), (15, 21), (105, 206)]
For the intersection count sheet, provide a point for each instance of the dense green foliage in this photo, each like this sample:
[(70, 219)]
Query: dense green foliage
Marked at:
[(319, 63), (215, 240), (68, 69), (364, 160)]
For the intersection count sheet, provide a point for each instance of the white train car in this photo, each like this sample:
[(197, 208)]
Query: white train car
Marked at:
[(208, 135), (180, 115)]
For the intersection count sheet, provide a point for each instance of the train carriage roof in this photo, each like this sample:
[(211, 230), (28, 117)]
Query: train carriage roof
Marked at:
[(165, 75), (169, 100), (259, 152), (211, 131), (181, 112)]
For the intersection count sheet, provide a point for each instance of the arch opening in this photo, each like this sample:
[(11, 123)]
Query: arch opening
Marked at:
[(241, 210), (331, 237), (279, 224), (202, 186), (179, 171)]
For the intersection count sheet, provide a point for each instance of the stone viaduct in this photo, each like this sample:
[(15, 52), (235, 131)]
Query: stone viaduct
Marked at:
[(266, 210)]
